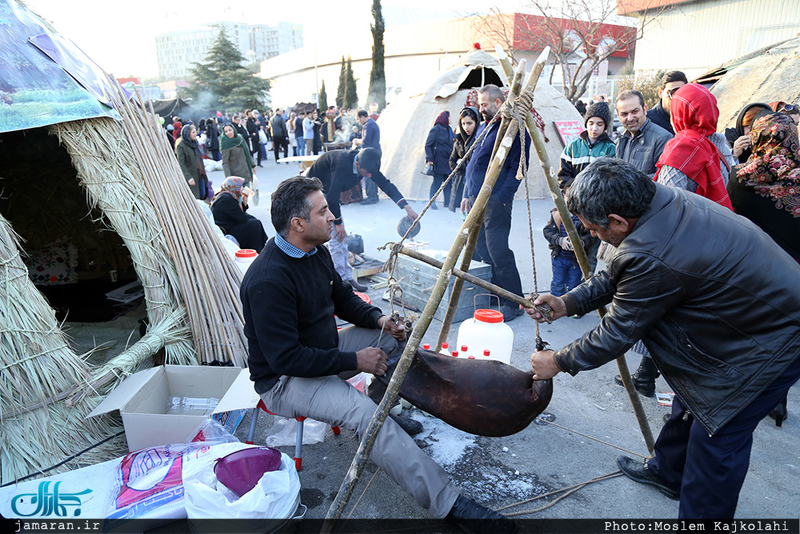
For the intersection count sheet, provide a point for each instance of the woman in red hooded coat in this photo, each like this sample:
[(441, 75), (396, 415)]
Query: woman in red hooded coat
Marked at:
[(694, 160)]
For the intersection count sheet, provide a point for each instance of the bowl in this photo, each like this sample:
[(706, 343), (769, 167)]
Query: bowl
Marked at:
[(240, 471)]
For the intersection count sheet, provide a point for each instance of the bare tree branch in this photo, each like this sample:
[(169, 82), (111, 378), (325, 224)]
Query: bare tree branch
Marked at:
[(582, 34)]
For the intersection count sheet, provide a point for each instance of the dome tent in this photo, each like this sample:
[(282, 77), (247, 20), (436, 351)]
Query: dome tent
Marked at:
[(405, 123)]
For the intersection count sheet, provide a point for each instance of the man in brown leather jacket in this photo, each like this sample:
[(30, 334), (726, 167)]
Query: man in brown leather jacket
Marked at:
[(717, 304)]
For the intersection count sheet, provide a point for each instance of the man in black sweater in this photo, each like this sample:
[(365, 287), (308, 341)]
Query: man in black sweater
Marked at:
[(289, 296), (340, 170)]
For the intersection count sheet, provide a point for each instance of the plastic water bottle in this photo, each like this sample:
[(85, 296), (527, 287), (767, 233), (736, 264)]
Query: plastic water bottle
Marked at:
[(455, 354), (193, 405), (487, 331), (445, 349), (426, 346)]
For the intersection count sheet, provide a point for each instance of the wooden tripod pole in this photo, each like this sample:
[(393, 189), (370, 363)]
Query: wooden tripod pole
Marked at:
[(580, 254), (469, 225)]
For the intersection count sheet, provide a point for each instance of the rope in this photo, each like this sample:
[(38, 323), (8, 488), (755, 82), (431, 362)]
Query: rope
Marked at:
[(353, 509), (569, 491), (539, 419)]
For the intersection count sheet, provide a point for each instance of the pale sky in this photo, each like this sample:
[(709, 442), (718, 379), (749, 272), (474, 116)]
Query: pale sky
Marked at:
[(120, 35)]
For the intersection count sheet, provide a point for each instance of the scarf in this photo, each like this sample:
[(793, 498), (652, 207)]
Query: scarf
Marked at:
[(465, 139), (443, 118), (233, 186), (226, 142), (773, 168), (694, 115)]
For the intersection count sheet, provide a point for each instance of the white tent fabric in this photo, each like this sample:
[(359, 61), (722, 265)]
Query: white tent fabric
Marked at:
[(405, 123)]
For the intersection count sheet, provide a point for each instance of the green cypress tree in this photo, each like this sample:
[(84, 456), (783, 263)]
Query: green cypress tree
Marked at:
[(222, 82), (377, 76), (350, 94), (323, 98), (342, 85)]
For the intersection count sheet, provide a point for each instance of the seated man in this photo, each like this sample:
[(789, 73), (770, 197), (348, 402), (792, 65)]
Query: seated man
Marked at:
[(289, 297), (724, 330)]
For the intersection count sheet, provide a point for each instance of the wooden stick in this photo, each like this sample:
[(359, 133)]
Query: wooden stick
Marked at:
[(472, 279), (580, 254)]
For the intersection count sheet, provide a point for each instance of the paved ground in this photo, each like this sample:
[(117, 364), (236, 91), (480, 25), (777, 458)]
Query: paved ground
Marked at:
[(594, 414)]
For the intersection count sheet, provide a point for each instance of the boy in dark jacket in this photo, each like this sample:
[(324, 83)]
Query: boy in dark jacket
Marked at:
[(566, 271)]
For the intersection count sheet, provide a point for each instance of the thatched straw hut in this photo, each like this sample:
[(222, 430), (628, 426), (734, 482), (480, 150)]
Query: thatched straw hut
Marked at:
[(92, 200), (405, 123)]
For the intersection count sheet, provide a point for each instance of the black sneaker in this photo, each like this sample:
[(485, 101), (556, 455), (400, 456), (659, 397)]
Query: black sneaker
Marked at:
[(472, 517), (638, 471), (412, 427), (358, 287)]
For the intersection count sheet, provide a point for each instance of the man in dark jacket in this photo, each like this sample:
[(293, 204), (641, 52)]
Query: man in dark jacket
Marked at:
[(492, 246), (289, 296), (280, 135), (370, 137), (251, 125), (671, 82), (723, 330), (340, 170), (642, 142)]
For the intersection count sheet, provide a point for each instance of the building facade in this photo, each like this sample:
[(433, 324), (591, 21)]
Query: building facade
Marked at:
[(412, 53), (698, 35), (177, 51)]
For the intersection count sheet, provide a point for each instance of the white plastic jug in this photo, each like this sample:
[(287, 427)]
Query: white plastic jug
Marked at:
[(487, 331), (244, 257)]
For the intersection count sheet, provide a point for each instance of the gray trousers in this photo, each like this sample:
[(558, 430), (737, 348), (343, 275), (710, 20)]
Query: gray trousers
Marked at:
[(332, 400)]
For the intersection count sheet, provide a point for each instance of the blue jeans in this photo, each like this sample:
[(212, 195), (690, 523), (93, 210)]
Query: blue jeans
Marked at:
[(566, 275), (301, 146)]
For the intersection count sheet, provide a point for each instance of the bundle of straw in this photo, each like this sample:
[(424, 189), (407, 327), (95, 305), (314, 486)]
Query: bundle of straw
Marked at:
[(106, 169), (209, 281), (37, 370)]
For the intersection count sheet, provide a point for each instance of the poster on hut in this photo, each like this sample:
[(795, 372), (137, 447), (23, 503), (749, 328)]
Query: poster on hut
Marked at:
[(568, 130)]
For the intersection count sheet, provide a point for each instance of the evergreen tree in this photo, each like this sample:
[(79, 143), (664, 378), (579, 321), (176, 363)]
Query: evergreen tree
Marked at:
[(323, 98), (221, 82), (342, 85), (350, 94), (377, 76)]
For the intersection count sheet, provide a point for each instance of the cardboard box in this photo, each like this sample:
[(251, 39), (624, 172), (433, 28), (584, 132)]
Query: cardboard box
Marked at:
[(417, 280), (142, 400)]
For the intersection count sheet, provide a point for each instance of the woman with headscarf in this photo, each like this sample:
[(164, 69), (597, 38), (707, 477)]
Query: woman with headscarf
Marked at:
[(468, 121), (229, 208), (236, 159), (438, 147), (691, 160), (766, 190), (187, 150)]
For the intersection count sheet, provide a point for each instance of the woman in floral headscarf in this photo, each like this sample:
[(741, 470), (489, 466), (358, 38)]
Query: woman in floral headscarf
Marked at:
[(766, 188), (229, 207)]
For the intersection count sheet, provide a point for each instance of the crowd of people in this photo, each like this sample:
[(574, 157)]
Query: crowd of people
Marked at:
[(703, 272)]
